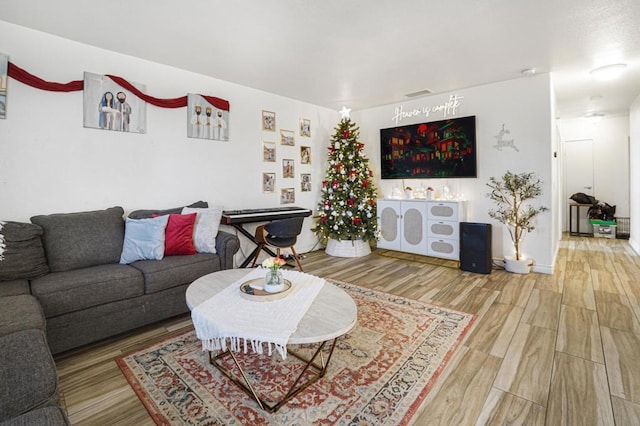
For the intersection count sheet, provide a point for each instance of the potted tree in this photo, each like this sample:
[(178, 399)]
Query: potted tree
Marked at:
[(511, 193)]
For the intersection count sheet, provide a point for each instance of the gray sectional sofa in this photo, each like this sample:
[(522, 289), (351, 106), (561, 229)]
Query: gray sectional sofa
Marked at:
[(62, 286)]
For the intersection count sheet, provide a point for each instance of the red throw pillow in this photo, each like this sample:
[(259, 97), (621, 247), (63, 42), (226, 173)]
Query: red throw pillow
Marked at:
[(178, 236)]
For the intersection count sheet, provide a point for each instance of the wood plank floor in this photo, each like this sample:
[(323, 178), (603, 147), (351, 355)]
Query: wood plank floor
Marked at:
[(561, 349)]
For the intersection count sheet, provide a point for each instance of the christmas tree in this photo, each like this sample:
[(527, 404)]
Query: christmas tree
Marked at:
[(348, 200)]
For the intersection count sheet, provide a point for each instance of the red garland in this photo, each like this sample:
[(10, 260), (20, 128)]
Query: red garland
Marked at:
[(29, 79)]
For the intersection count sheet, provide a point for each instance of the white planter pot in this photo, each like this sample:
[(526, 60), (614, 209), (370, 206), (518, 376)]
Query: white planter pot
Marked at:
[(347, 248), (522, 266)]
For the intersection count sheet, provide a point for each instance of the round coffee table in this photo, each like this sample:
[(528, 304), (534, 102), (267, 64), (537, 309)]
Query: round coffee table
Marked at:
[(332, 314)]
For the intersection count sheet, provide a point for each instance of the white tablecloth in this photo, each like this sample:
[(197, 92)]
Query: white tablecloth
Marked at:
[(227, 317)]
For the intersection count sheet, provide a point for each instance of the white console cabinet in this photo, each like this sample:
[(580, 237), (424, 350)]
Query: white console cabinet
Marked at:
[(423, 227)]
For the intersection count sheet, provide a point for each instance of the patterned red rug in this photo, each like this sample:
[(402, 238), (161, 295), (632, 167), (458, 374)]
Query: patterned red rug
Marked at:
[(380, 372)]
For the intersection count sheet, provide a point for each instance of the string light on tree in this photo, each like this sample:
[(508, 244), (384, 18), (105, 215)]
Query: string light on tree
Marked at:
[(348, 196)]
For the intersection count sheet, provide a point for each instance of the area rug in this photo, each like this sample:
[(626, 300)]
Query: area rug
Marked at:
[(379, 374)]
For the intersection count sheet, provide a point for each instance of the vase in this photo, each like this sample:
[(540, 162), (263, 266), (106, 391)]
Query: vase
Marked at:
[(348, 248), (273, 281)]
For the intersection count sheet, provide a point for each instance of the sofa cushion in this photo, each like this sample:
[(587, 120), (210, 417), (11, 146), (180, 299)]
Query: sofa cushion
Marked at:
[(14, 287), (27, 373), (144, 214), (173, 271), (179, 235), (50, 416), (21, 251), (19, 313), (143, 239), (69, 291), (79, 240), (206, 227)]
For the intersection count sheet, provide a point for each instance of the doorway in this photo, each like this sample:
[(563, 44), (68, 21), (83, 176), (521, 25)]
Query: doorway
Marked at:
[(578, 177)]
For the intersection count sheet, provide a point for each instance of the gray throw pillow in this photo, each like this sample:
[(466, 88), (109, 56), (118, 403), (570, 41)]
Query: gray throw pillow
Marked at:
[(21, 251), (145, 214), (80, 240)]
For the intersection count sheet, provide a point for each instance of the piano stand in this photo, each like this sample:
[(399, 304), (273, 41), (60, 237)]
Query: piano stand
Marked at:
[(236, 218), (246, 233)]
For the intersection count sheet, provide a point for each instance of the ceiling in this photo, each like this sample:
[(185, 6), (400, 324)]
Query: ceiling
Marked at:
[(364, 53)]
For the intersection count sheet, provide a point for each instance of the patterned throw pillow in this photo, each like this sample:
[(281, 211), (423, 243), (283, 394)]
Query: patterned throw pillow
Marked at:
[(206, 227), (21, 251)]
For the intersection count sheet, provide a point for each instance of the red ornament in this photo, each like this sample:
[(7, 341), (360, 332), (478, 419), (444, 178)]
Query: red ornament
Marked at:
[(345, 134)]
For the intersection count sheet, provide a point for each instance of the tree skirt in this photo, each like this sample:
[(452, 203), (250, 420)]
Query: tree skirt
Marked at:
[(380, 372), (347, 248)]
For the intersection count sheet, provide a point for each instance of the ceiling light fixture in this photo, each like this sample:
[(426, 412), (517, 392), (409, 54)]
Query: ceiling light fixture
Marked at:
[(528, 72), (419, 93), (594, 116), (608, 72)]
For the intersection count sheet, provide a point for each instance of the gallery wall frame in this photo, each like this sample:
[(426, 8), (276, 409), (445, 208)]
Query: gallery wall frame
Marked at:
[(269, 152), (305, 127), (288, 168), (287, 137), (305, 182), (287, 195), (268, 121), (305, 155), (268, 182)]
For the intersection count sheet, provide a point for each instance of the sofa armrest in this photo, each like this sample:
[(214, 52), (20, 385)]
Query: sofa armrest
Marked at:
[(226, 246), (28, 377)]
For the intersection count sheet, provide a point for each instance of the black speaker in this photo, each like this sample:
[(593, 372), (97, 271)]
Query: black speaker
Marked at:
[(475, 247)]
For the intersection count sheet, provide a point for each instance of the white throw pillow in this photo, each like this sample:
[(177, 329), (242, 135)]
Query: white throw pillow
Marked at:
[(206, 227)]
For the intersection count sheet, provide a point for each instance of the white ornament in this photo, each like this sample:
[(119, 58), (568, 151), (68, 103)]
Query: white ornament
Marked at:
[(344, 112)]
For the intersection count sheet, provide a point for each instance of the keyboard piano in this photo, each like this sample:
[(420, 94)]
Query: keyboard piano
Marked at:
[(230, 217), (236, 218)]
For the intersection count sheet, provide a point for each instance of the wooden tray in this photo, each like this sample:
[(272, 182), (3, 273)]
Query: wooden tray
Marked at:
[(254, 290)]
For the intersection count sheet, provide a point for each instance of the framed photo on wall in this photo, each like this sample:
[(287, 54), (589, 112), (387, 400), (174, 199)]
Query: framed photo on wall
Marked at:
[(109, 106), (287, 137), (287, 196), (268, 182), (305, 182), (305, 155), (269, 152), (305, 127), (205, 121), (4, 66), (268, 121), (288, 168)]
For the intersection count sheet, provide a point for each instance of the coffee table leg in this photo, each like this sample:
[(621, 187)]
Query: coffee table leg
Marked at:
[(318, 371)]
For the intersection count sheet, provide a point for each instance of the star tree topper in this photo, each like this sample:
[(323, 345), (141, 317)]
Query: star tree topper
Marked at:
[(344, 112)]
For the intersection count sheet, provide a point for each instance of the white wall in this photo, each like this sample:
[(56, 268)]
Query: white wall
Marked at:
[(525, 108), (50, 163), (611, 158), (634, 178)]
